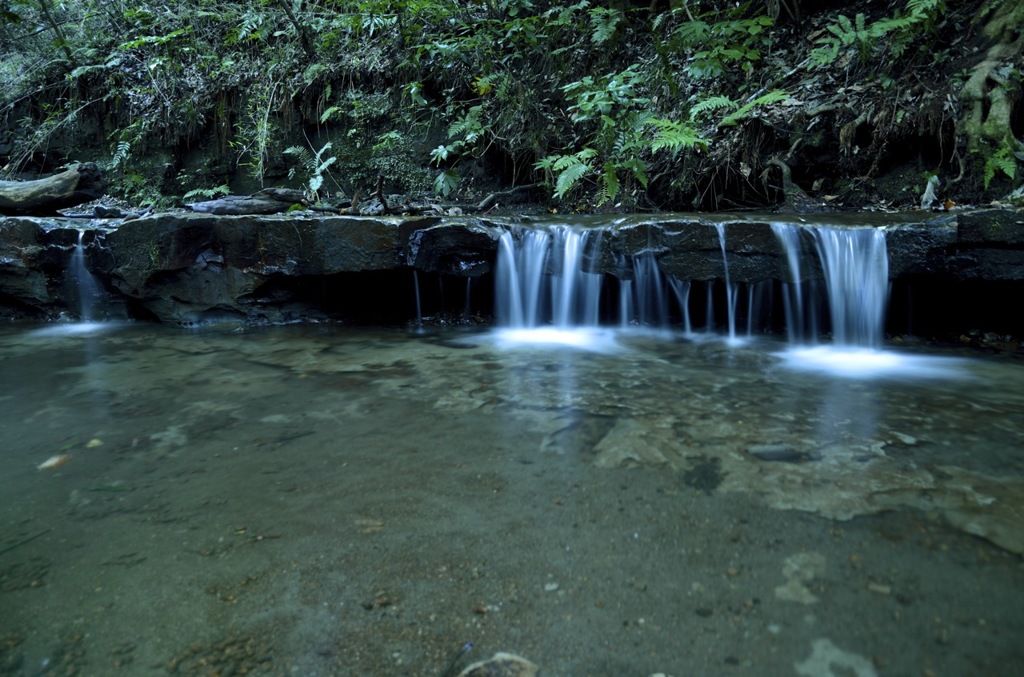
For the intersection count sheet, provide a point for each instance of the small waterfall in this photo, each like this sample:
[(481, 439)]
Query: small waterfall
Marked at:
[(681, 289), (540, 280), (86, 288), (855, 264), (644, 299), (419, 307), (789, 238), (856, 267), (730, 289)]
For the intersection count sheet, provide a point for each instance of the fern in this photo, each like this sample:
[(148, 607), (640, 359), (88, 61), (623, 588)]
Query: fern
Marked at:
[(638, 168), (712, 103), (313, 165), (469, 126), (609, 184), (569, 177), (675, 136), (604, 22), (743, 112), (121, 153), (1000, 161), (303, 157), (329, 113), (570, 168), (207, 193)]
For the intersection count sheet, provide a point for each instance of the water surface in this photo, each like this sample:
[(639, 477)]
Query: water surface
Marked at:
[(332, 501)]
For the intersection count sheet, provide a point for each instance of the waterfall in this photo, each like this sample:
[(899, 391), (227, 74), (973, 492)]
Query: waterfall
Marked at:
[(86, 288), (855, 265), (730, 290), (644, 299), (419, 307), (541, 280), (789, 238)]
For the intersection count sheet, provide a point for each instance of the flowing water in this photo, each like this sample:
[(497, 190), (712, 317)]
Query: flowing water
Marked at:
[(333, 501), (618, 500)]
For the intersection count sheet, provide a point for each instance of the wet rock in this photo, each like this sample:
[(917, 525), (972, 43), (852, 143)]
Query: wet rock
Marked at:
[(183, 267), (705, 474), (501, 665), (465, 249), (990, 245), (799, 570), (825, 656), (780, 453)]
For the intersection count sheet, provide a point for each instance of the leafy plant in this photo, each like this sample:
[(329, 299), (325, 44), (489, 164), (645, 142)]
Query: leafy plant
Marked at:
[(715, 41), (900, 30), (1002, 160), (675, 136), (314, 164), (567, 169), (207, 193)]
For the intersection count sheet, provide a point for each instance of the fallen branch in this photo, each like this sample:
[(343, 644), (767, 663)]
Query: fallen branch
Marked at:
[(266, 201), (43, 197)]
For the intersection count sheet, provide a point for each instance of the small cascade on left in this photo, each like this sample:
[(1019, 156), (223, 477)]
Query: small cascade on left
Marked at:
[(84, 288), (89, 305)]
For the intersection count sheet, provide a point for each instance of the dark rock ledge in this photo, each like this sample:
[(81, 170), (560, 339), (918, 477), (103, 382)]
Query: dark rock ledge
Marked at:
[(186, 267)]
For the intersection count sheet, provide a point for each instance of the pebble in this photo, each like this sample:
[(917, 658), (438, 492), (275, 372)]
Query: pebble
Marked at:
[(550, 587)]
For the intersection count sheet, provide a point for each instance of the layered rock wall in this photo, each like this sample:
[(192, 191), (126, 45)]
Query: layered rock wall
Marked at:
[(187, 267)]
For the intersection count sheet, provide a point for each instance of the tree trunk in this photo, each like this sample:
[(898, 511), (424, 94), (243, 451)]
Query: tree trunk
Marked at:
[(43, 197)]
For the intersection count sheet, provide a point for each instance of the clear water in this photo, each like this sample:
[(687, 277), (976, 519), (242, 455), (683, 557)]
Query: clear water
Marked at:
[(331, 501)]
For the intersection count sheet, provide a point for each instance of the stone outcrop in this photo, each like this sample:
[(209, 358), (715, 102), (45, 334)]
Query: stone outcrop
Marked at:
[(186, 267)]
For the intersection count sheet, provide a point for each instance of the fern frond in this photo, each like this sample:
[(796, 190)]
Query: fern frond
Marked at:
[(1000, 161), (710, 104), (609, 184), (327, 114), (639, 169), (824, 55), (121, 153), (676, 136), (743, 112), (566, 161), (569, 178), (303, 156)]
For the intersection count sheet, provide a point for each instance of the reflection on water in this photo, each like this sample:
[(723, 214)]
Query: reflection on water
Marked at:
[(329, 501), (870, 363)]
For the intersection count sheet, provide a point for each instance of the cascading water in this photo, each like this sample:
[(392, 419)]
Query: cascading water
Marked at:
[(643, 300), (541, 280), (85, 286), (855, 265), (789, 238), (730, 290)]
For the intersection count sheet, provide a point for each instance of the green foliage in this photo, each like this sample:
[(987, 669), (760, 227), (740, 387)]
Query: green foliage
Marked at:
[(716, 41), (313, 164), (676, 136), (1002, 160), (603, 24), (121, 153), (743, 112), (207, 193), (568, 169), (445, 182), (898, 32)]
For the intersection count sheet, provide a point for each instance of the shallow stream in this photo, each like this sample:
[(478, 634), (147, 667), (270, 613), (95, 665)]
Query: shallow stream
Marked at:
[(337, 501)]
